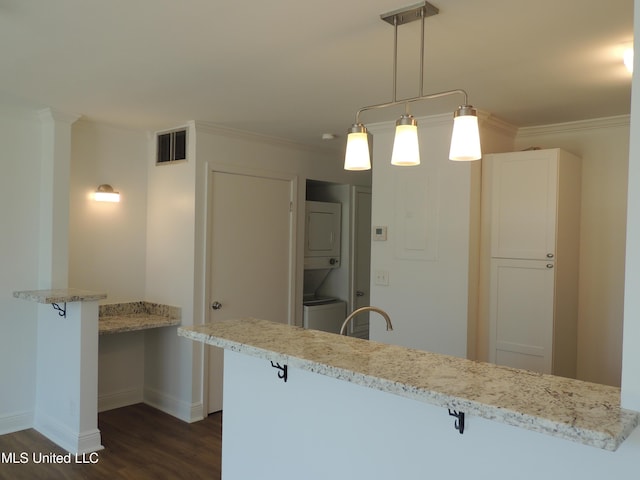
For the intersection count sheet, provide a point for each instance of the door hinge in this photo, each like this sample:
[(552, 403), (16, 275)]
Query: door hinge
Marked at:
[(290, 207)]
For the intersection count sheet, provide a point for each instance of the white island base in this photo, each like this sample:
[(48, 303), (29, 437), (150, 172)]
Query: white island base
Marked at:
[(314, 427), (354, 409)]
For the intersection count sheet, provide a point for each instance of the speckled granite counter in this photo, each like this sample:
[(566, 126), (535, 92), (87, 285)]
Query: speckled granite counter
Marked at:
[(579, 411), (134, 316), (59, 296)]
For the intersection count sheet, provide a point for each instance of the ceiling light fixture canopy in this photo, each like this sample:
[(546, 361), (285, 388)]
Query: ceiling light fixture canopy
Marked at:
[(465, 139)]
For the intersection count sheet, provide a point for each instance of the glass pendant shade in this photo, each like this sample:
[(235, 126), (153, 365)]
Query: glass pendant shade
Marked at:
[(406, 151), (465, 139), (357, 156)]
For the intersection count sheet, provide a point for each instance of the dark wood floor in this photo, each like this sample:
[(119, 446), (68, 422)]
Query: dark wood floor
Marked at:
[(140, 443)]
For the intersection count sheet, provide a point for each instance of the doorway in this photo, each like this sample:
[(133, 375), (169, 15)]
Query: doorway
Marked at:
[(251, 255), (360, 259)]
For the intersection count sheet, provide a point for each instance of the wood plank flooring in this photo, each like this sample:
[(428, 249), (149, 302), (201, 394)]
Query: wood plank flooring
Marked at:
[(140, 443)]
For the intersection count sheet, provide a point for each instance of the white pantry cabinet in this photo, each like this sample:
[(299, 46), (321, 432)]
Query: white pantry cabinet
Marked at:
[(534, 247)]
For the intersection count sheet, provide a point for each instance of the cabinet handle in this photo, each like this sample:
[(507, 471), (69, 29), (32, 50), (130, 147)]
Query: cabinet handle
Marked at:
[(549, 255), (549, 265), (359, 293)]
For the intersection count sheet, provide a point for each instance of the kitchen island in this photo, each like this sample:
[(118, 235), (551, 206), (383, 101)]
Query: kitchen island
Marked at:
[(298, 400)]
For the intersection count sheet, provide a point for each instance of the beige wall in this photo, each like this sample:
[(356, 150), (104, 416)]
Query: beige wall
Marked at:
[(603, 145), (107, 243), (107, 240)]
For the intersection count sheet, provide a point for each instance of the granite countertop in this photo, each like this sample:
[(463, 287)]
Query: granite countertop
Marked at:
[(134, 316), (583, 412), (59, 296), (133, 323)]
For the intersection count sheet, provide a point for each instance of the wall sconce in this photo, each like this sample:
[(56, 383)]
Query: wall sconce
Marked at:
[(628, 59), (465, 140), (105, 193)]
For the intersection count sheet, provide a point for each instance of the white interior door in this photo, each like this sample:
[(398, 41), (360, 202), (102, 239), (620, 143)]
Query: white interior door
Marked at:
[(251, 256), (361, 258)]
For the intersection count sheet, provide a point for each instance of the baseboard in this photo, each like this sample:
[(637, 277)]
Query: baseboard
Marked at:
[(123, 398), (16, 421), (185, 411), (81, 442)]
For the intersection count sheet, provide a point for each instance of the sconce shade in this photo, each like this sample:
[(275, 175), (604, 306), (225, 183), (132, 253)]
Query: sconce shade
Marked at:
[(357, 156), (628, 59), (406, 151), (465, 138), (105, 193)]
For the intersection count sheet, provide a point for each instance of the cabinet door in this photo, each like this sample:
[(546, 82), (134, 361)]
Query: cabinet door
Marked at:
[(322, 229), (523, 207), (521, 314)]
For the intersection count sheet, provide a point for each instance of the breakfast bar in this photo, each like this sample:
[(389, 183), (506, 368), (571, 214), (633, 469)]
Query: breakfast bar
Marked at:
[(331, 396)]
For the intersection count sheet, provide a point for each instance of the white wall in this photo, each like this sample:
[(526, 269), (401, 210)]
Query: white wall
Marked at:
[(107, 243), (603, 146), (170, 274), (631, 341), (19, 213), (431, 251), (177, 246)]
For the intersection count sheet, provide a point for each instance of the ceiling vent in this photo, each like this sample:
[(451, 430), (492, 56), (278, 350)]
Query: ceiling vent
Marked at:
[(171, 146)]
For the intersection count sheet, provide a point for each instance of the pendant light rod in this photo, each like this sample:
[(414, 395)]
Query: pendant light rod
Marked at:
[(465, 137), (421, 83), (430, 96), (395, 58), (418, 11)]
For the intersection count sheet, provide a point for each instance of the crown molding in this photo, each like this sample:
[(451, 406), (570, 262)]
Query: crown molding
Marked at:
[(488, 121), (57, 116), (578, 126)]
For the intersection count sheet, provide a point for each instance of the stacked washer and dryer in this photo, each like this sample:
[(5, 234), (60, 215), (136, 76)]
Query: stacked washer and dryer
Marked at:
[(321, 257)]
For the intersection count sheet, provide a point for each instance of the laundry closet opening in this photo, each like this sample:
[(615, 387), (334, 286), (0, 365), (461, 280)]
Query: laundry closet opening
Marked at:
[(337, 256)]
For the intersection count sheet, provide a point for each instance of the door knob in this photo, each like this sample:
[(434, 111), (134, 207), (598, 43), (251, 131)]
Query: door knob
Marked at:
[(359, 293), (216, 305)]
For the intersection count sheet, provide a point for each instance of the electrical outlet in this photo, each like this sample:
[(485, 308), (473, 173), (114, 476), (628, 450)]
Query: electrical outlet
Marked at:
[(381, 277)]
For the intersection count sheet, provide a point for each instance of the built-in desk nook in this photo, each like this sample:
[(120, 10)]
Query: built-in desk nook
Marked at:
[(70, 322)]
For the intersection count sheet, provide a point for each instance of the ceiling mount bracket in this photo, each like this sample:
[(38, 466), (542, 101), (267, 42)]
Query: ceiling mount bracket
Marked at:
[(410, 14)]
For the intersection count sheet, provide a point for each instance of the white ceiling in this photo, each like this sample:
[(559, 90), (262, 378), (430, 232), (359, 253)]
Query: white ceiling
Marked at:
[(296, 69)]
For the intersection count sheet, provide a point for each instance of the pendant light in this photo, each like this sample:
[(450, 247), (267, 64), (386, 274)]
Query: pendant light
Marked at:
[(357, 156), (465, 139), (406, 151)]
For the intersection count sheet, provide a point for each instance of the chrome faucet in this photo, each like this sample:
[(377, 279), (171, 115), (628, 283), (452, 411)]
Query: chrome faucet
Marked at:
[(343, 329)]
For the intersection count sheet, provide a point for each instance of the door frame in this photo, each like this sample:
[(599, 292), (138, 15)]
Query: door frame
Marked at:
[(213, 167), (355, 190)]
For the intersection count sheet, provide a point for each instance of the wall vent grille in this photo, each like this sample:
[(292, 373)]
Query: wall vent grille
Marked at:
[(171, 146)]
